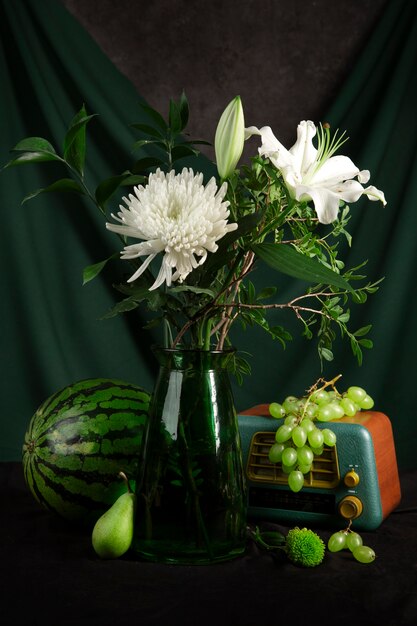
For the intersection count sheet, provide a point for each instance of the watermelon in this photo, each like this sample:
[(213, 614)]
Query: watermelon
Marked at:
[(79, 440)]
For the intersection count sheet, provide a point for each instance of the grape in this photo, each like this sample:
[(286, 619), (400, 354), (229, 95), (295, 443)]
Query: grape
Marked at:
[(276, 410), (307, 424), (305, 455), (337, 410), (357, 394), (330, 411), (320, 396), (291, 420), (283, 433), (317, 451), (315, 438), (287, 469), (299, 436), (366, 403), (337, 541), (311, 409), (325, 413), (329, 437), (275, 452), (290, 404), (348, 406), (364, 554), (295, 480), (304, 468), (289, 456), (353, 540)]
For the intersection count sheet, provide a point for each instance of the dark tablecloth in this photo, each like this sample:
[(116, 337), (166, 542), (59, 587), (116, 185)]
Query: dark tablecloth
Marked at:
[(50, 575)]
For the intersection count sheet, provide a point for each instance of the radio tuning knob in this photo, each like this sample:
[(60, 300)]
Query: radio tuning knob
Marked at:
[(351, 479), (350, 507)]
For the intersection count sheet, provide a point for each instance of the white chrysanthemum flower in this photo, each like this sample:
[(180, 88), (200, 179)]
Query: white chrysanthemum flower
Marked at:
[(175, 214)]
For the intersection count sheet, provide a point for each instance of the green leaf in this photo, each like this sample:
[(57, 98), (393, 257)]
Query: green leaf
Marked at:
[(174, 120), (128, 304), (156, 117), (34, 144), (200, 290), (182, 151), (107, 187), (62, 185), (363, 331), (184, 110), (75, 141), (148, 130), (287, 260), (359, 297), (266, 292), (344, 318), (91, 271), (32, 157), (326, 354), (145, 164), (198, 142), (245, 225), (148, 142), (366, 343)]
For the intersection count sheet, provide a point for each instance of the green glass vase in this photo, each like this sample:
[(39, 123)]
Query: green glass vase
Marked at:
[(191, 493)]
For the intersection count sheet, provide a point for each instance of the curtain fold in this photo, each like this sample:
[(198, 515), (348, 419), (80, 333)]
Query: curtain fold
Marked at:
[(52, 334), (377, 106)]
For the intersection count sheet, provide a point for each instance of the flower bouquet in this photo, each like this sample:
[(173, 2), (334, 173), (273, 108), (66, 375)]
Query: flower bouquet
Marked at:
[(192, 246)]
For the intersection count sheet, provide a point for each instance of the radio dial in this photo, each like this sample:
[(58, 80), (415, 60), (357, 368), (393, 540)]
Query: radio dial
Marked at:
[(350, 507), (351, 479)]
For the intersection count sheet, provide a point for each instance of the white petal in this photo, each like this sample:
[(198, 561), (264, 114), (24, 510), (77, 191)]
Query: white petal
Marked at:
[(303, 151), (326, 202), (333, 171), (273, 149), (349, 191), (375, 194), (251, 130), (165, 274), (364, 176), (142, 268), (142, 249)]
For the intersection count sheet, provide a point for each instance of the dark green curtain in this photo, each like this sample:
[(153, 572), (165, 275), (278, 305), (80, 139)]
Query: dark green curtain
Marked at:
[(52, 334)]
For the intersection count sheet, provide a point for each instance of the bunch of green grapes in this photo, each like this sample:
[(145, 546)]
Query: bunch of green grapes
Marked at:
[(298, 440), (347, 539)]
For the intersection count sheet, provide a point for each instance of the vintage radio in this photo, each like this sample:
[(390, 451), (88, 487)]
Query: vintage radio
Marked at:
[(355, 480)]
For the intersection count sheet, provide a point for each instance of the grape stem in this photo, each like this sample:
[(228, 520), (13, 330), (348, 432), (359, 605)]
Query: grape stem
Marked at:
[(315, 387), (327, 383)]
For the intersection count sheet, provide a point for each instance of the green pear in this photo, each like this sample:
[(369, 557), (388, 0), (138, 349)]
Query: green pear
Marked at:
[(113, 531)]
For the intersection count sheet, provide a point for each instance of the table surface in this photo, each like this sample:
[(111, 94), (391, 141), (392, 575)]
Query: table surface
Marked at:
[(51, 575)]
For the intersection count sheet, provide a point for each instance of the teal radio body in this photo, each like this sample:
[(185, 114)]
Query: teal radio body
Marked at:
[(356, 480)]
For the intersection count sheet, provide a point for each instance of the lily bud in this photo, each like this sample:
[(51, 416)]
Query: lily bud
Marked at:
[(230, 138)]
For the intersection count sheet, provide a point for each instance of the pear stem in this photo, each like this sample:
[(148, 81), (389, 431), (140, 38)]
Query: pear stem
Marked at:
[(123, 475)]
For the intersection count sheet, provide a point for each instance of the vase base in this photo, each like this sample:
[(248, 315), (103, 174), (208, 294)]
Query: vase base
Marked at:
[(165, 552)]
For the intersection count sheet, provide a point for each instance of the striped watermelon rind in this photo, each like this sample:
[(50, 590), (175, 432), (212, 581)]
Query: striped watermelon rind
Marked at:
[(78, 441)]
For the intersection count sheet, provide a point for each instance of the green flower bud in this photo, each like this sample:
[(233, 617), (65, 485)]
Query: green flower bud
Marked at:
[(230, 138)]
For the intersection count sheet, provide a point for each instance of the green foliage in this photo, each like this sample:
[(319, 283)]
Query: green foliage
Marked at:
[(273, 228)]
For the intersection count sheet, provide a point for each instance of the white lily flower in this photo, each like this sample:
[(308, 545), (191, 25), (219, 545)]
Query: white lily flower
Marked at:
[(315, 174), (175, 214)]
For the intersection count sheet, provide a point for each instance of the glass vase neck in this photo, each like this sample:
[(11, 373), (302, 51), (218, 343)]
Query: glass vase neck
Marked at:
[(192, 359)]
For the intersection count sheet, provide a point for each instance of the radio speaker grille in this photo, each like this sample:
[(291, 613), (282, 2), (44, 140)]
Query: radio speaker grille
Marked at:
[(324, 471)]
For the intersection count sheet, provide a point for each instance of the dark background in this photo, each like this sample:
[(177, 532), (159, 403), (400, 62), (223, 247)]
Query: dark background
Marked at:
[(285, 58)]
